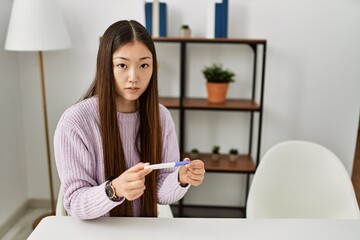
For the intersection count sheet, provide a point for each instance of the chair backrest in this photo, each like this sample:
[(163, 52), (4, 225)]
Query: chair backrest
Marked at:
[(60, 210), (164, 211), (299, 179)]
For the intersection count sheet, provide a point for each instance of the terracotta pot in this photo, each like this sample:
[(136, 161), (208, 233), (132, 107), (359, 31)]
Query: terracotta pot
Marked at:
[(217, 92)]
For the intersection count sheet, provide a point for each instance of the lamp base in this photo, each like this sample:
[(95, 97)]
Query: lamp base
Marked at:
[(37, 220)]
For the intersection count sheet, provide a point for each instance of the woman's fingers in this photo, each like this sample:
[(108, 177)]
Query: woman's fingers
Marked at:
[(194, 179), (196, 164), (135, 193), (137, 172), (193, 173), (131, 183)]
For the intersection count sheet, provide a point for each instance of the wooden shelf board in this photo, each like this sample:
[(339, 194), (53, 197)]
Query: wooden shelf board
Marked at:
[(202, 103), (243, 164), (210, 40), (230, 104), (170, 102)]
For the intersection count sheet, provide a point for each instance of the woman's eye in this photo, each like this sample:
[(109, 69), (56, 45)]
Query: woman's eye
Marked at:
[(121, 65), (145, 65)]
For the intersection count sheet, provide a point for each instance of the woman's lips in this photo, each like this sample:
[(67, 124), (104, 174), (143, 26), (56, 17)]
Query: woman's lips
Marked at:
[(132, 88)]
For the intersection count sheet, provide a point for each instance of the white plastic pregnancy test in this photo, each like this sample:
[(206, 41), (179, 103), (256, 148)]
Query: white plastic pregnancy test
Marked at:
[(166, 165)]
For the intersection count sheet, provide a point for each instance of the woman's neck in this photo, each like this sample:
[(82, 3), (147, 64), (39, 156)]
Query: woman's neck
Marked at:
[(126, 106)]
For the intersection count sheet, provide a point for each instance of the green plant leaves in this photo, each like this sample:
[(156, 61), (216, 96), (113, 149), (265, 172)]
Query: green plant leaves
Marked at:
[(216, 73)]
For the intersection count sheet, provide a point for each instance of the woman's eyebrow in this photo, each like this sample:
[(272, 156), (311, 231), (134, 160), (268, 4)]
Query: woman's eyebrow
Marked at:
[(123, 58), (127, 59), (143, 58)]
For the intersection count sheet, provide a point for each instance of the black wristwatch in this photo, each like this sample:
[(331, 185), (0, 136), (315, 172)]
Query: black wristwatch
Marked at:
[(110, 192)]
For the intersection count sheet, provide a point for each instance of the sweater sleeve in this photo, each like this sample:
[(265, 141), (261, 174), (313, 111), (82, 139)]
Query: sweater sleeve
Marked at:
[(84, 197), (168, 187)]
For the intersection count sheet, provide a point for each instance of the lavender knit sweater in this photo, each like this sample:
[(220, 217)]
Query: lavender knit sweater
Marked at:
[(79, 159)]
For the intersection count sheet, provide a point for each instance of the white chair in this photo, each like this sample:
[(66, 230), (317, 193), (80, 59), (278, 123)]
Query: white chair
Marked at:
[(164, 211), (299, 179), (60, 210)]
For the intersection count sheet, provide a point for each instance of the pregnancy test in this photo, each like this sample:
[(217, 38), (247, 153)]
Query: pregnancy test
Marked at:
[(166, 165)]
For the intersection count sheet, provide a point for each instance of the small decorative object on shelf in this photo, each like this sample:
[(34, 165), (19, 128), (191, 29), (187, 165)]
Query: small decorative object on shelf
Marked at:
[(233, 154), (215, 152), (185, 31), (194, 153), (218, 80)]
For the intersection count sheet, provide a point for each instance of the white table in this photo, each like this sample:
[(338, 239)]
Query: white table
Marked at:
[(196, 228)]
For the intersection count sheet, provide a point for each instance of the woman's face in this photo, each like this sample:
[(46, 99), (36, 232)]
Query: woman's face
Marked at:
[(133, 68)]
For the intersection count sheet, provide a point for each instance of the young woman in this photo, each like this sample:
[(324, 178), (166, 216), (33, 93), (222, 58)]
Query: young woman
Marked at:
[(103, 142)]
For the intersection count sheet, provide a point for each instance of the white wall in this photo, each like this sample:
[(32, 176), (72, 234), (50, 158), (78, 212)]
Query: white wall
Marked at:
[(12, 162), (312, 76)]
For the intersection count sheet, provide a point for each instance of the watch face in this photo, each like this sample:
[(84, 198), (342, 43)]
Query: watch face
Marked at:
[(109, 191)]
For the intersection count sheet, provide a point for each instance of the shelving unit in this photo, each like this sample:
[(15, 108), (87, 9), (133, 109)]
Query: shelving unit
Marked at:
[(245, 164)]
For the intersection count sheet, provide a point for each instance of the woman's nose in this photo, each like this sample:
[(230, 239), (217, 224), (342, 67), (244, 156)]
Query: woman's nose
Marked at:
[(132, 75)]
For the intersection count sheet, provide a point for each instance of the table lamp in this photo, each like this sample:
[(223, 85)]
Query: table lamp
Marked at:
[(37, 25)]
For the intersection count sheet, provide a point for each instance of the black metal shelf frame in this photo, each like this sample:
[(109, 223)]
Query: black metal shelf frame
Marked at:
[(257, 45)]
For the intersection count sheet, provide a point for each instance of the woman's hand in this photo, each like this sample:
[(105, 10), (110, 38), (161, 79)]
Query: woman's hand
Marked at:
[(131, 183), (192, 173)]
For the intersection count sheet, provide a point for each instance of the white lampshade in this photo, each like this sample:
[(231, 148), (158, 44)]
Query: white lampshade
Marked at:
[(36, 25)]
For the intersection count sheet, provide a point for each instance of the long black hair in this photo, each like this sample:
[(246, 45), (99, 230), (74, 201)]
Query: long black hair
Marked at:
[(149, 138)]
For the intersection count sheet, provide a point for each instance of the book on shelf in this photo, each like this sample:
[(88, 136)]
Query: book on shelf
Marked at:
[(148, 17), (217, 19), (221, 19), (156, 28)]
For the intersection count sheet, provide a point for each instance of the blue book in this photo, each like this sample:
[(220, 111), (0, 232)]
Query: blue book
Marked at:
[(218, 20), (162, 18), (225, 9), (148, 17), (221, 19)]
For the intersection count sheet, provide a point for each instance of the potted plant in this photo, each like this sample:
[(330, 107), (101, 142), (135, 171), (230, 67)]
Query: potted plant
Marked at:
[(233, 154), (215, 152), (194, 153), (218, 80), (185, 31)]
